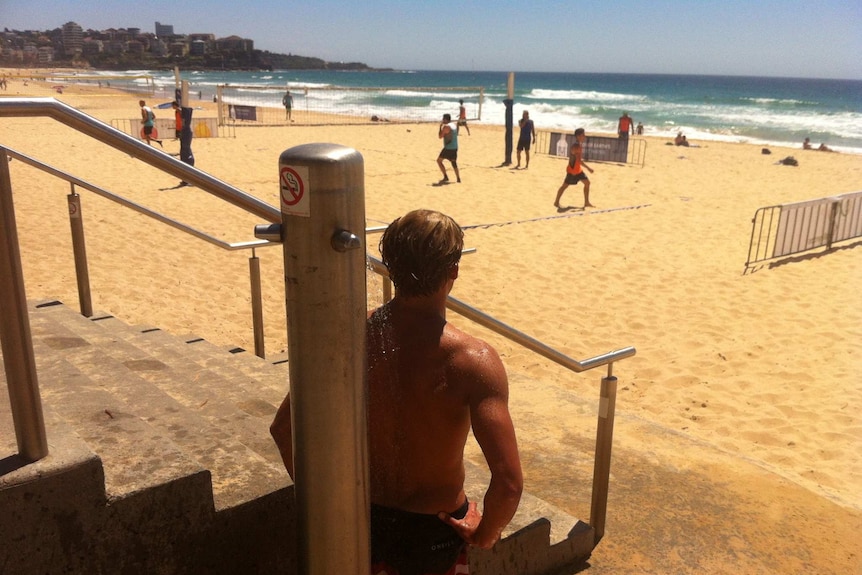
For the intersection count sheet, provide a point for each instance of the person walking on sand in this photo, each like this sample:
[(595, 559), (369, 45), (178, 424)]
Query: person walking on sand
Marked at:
[(574, 172), (428, 384), (449, 134), (528, 136), (462, 116), (148, 119), (287, 102)]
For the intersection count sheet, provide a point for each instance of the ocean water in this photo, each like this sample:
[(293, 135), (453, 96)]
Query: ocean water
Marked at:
[(778, 111)]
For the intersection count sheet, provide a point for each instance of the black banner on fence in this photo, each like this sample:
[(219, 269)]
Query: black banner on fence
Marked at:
[(596, 148), (601, 149), (243, 113)]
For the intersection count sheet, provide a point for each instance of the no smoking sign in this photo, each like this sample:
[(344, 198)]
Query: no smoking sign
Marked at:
[(293, 185)]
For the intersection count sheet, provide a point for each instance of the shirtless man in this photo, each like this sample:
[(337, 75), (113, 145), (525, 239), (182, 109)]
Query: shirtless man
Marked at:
[(462, 116), (148, 119), (428, 382), (574, 171)]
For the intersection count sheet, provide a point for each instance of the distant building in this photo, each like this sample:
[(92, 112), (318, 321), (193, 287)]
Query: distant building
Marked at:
[(91, 47), (235, 44), (198, 48), (164, 30), (178, 48), (46, 55), (73, 38)]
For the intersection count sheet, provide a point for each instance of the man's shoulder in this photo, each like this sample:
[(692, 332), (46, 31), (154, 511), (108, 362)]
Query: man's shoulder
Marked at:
[(466, 350)]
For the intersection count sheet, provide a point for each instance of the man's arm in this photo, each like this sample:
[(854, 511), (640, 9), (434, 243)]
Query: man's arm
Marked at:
[(577, 154), (493, 429), (282, 433), (445, 133), (533, 129)]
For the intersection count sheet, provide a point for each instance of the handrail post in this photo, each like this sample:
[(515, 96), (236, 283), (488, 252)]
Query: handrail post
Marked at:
[(256, 304), (79, 249), (15, 339), (323, 221), (602, 465)]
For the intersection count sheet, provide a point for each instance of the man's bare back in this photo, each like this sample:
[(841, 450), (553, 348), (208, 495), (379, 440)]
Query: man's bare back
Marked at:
[(419, 408), (428, 385)]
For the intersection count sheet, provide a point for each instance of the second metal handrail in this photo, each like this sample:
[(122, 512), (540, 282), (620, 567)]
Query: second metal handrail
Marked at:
[(81, 266), (520, 337), (230, 246)]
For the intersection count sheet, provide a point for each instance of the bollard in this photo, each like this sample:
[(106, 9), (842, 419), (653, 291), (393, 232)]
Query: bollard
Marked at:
[(323, 213)]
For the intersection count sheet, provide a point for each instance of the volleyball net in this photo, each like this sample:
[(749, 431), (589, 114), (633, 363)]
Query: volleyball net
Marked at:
[(137, 84), (340, 105)]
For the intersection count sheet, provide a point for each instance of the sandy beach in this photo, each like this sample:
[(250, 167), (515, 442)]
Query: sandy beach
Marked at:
[(736, 448)]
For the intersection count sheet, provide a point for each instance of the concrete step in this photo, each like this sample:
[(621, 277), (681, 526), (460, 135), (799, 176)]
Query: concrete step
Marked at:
[(229, 361), (171, 401)]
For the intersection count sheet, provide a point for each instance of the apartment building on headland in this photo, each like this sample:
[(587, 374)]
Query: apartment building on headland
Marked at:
[(71, 44)]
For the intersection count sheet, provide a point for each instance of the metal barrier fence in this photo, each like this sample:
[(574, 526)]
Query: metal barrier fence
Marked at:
[(165, 128), (337, 105), (789, 229), (596, 148)]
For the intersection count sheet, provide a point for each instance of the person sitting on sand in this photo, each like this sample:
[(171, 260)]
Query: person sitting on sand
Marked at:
[(806, 144), (680, 140)]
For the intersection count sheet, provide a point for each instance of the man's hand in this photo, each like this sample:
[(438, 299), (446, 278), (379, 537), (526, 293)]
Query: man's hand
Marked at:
[(466, 526)]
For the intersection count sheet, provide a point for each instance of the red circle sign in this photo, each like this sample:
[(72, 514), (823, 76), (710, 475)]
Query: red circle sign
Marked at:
[(292, 186)]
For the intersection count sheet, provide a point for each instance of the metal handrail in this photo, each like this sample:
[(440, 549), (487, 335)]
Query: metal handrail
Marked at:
[(520, 337), (52, 108), (137, 207)]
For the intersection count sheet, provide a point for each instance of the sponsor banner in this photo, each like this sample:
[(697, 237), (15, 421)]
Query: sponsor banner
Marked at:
[(602, 149), (596, 148), (238, 112)]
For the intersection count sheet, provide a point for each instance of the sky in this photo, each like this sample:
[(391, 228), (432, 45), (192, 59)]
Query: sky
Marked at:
[(791, 38)]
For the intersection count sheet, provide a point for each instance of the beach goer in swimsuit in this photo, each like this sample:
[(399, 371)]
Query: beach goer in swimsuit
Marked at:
[(449, 134), (574, 171), (148, 119), (428, 385), (462, 116), (528, 136)]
